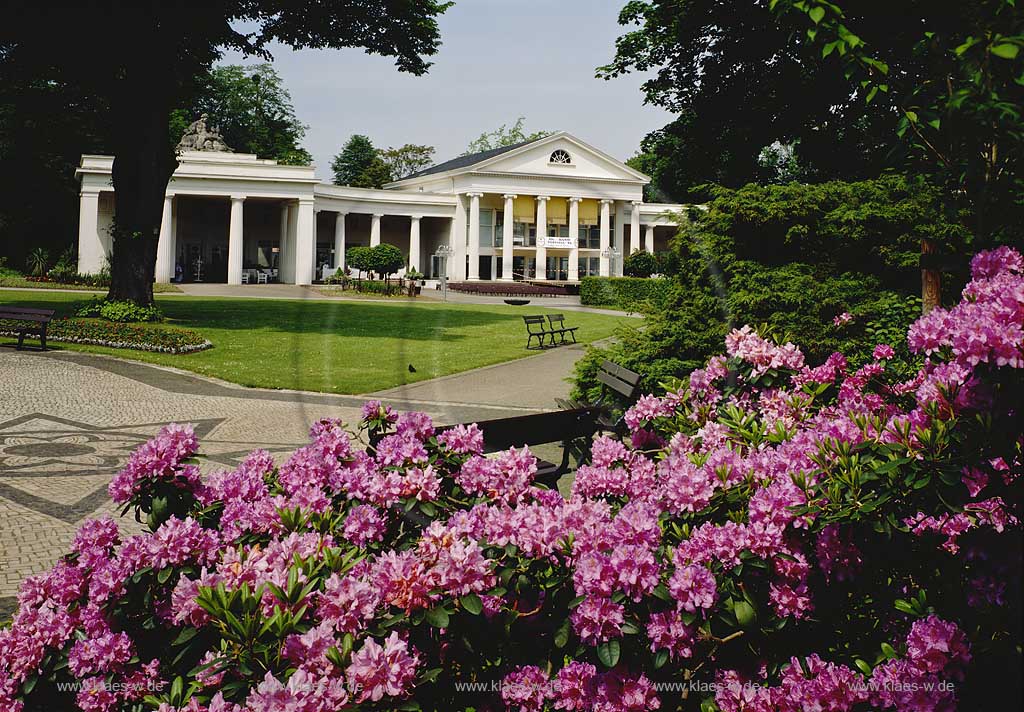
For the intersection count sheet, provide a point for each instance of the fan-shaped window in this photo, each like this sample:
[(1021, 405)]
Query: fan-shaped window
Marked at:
[(560, 156)]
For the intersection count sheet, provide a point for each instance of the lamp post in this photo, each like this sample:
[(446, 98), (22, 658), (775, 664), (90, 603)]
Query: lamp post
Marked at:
[(443, 253), (611, 254)]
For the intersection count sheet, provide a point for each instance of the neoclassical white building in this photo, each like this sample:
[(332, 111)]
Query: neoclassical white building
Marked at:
[(228, 213)]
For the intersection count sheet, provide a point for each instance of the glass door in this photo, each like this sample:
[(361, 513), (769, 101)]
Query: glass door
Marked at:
[(558, 268)]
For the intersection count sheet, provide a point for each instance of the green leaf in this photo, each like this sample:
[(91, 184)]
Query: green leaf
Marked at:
[(165, 574), (890, 653), (562, 634), (608, 653), (437, 617), (862, 666), (817, 14), (744, 613), (431, 675), (185, 635), (472, 603), (660, 658), (29, 684), (1006, 51), (903, 606)]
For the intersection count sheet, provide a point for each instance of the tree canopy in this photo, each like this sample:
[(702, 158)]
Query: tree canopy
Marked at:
[(145, 59), (358, 164), (405, 160), (961, 119), (362, 165), (740, 80), (253, 111), (504, 135)]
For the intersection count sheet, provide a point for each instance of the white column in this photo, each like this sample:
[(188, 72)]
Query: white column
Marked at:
[(474, 236), (339, 241), (90, 247), (283, 255), (508, 221), (542, 234), (289, 265), (414, 242), (634, 228), (605, 236), (457, 260), (619, 237), (375, 229), (305, 242), (165, 245), (235, 240), (649, 239), (574, 233)]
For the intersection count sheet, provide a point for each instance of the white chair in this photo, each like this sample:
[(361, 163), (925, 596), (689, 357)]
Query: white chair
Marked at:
[(245, 276), (261, 277)]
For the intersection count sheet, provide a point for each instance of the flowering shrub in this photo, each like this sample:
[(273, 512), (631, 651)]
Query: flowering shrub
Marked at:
[(772, 536), (116, 335)]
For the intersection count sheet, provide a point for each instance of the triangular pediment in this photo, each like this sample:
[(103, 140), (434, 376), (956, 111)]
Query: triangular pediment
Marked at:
[(560, 155)]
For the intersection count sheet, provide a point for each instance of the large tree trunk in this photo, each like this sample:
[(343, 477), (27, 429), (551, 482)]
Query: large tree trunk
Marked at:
[(143, 163)]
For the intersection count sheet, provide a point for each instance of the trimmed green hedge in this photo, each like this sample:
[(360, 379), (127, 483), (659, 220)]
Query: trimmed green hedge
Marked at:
[(628, 293), (117, 335)]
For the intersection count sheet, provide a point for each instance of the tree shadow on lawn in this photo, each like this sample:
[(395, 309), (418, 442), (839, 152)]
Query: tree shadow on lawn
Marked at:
[(334, 318), (329, 318)]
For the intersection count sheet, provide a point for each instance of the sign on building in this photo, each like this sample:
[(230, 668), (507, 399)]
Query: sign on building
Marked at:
[(564, 242)]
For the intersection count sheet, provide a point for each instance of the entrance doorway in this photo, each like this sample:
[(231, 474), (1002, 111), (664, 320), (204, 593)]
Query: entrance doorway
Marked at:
[(202, 238)]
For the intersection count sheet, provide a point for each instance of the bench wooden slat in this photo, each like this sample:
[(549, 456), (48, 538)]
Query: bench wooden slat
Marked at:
[(35, 318), (27, 310), (616, 383), (621, 373), (521, 430)]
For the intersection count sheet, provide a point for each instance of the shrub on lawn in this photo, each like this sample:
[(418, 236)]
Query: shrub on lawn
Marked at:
[(771, 537), (97, 332), (121, 311), (630, 293)]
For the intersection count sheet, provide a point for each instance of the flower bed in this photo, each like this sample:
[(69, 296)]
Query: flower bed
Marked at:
[(772, 537), (99, 332)]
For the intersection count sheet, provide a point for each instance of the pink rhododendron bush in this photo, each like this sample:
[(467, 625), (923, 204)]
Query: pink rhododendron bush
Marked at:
[(771, 535)]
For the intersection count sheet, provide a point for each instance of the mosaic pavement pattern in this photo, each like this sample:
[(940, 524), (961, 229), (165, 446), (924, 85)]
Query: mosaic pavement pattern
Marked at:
[(68, 421)]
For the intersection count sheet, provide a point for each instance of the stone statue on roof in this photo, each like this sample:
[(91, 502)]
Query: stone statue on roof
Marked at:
[(198, 137)]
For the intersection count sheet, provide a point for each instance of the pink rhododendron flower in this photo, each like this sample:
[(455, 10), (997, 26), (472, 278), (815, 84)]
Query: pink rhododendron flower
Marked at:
[(377, 671)]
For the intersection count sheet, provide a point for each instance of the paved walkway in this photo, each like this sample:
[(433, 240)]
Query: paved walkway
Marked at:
[(69, 420)]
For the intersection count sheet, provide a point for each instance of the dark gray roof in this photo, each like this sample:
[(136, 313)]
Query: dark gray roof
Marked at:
[(470, 159)]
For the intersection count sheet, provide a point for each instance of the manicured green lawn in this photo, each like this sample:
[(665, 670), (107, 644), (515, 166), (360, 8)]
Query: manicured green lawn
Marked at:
[(332, 346)]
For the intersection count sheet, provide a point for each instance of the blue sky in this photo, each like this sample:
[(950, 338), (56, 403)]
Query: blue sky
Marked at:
[(500, 59)]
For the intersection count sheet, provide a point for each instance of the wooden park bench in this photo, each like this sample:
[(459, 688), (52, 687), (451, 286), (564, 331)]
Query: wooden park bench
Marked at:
[(34, 320), (536, 328), (564, 426), (557, 324), (620, 387)]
